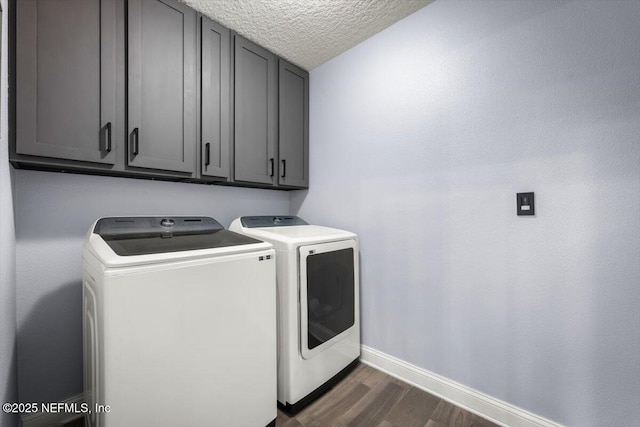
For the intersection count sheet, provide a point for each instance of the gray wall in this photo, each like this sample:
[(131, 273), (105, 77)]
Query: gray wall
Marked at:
[(8, 385), (421, 137), (53, 213)]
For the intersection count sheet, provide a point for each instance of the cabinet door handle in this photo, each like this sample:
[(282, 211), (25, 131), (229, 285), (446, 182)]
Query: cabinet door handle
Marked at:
[(207, 154), (271, 166), (136, 141), (107, 136), (284, 168)]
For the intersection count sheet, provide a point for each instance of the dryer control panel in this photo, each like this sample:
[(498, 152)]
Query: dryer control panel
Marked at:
[(271, 221)]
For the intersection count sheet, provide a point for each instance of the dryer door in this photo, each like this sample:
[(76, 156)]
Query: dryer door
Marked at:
[(328, 294)]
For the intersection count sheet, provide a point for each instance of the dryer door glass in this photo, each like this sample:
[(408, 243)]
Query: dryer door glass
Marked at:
[(330, 295)]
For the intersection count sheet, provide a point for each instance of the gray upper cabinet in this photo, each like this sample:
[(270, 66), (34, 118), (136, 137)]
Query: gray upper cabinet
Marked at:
[(162, 85), (255, 110), (151, 88), (293, 117), (215, 45), (66, 79)]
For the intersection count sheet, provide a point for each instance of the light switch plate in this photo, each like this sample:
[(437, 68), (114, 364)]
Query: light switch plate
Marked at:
[(525, 204)]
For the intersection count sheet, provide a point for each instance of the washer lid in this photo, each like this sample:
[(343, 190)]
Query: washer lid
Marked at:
[(129, 236)]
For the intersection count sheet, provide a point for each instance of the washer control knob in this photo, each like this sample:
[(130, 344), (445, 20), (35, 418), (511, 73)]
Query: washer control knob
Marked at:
[(167, 222)]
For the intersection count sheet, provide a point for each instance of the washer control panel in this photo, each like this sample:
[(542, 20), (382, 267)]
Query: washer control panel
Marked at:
[(150, 226)]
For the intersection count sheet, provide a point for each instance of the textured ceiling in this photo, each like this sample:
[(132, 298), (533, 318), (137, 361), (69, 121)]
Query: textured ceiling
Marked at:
[(307, 32)]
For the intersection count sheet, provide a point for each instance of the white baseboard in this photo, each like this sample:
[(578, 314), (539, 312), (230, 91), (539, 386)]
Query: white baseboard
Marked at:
[(494, 410), (44, 419)]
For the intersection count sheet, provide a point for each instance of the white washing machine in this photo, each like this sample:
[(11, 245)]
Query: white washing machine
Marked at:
[(179, 324), (318, 304)]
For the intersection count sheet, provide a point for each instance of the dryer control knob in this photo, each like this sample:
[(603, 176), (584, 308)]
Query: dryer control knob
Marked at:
[(167, 222)]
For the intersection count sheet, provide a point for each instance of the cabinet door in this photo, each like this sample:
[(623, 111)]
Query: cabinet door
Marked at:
[(255, 113), (293, 116), (215, 89), (65, 79), (162, 85)]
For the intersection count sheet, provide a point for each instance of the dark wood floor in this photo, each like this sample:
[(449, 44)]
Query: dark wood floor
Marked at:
[(370, 398)]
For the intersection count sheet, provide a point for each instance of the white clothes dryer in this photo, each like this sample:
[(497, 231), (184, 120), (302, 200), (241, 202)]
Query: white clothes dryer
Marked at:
[(318, 304), (179, 324)]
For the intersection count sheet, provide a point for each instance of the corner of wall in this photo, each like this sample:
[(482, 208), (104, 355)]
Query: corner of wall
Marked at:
[(296, 198), (8, 364)]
